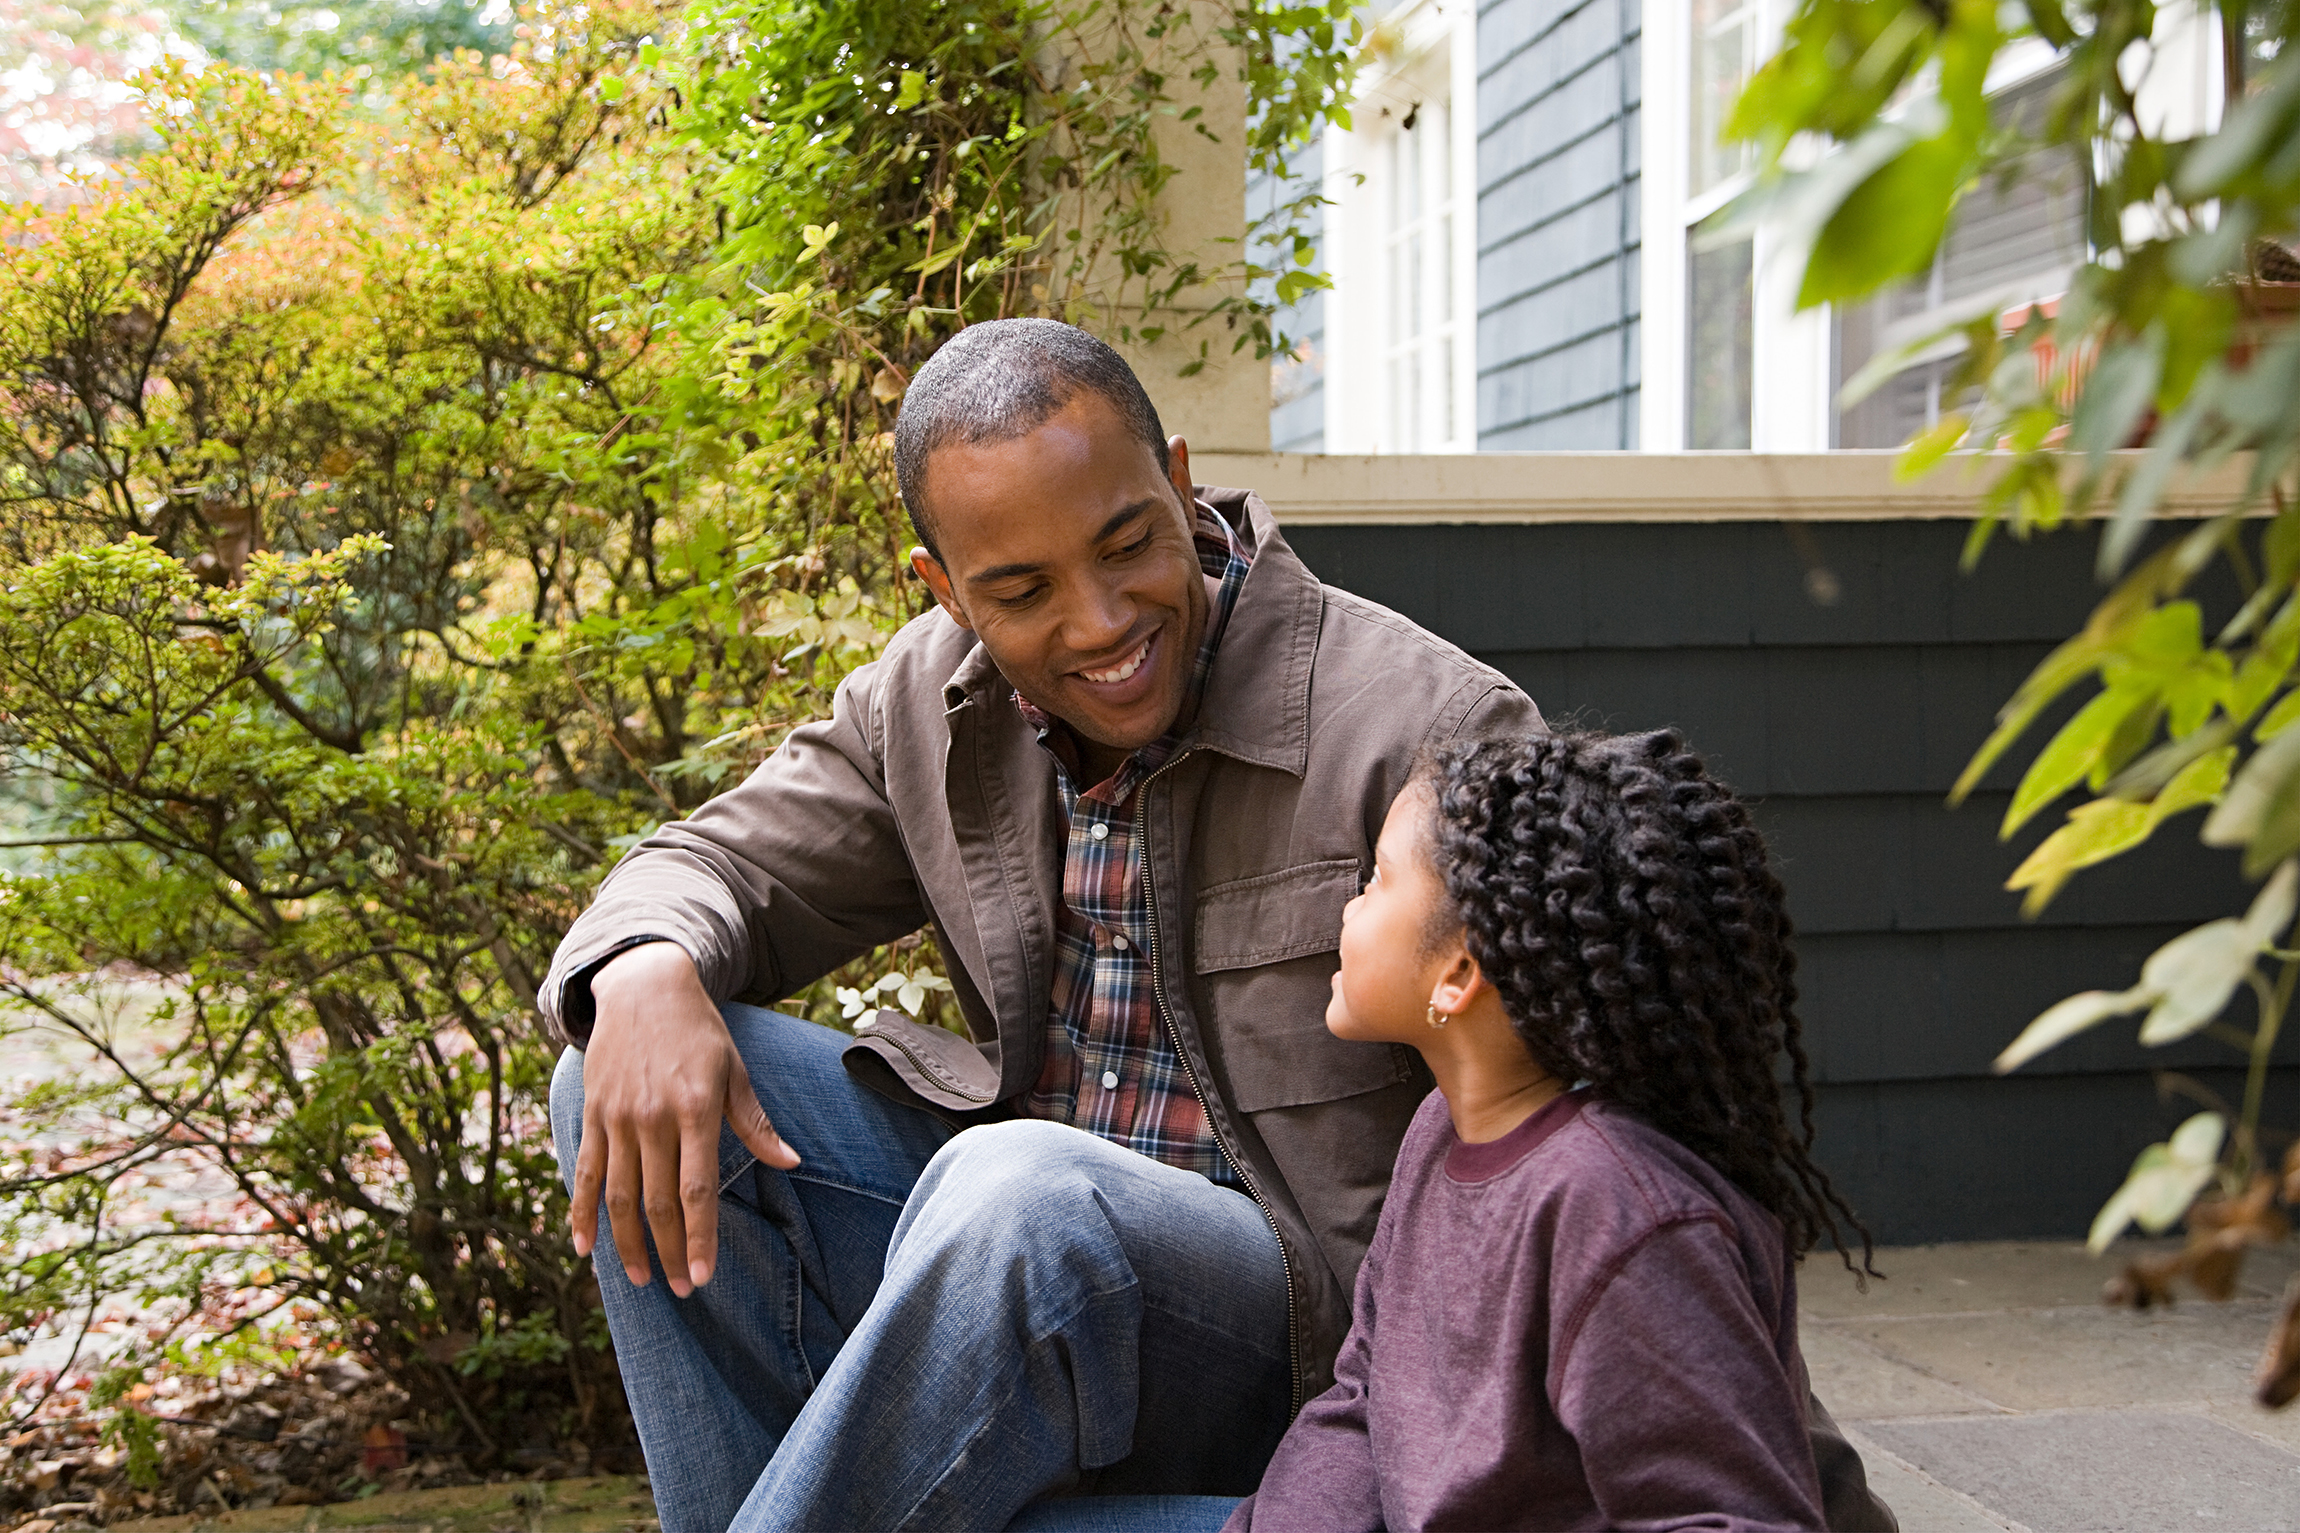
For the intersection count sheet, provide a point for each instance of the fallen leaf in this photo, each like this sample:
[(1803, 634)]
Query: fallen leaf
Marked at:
[(2279, 1377), (385, 1451)]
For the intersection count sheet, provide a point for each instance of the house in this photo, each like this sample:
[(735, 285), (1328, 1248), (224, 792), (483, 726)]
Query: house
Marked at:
[(1516, 242), (1546, 412)]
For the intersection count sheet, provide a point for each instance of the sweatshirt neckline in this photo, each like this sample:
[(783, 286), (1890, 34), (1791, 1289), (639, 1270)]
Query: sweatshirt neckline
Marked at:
[(1466, 1162)]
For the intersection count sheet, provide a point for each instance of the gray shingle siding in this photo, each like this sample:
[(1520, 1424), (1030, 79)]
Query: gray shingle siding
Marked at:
[(1843, 726), (1557, 200)]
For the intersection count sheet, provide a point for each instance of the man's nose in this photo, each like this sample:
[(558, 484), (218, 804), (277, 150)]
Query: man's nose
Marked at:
[(1099, 618)]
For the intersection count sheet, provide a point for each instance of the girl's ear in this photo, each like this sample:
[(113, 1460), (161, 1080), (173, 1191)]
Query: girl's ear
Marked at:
[(1460, 979)]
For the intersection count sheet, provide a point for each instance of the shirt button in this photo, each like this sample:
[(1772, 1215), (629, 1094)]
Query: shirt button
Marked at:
[(1099, 831), (1110, 1080), (1118, 941)]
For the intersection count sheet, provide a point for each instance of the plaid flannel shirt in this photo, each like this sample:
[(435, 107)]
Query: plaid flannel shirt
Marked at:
[(1111, 1068)]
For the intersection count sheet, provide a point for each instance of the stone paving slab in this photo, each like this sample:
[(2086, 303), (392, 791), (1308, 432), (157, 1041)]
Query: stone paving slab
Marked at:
[(1860, 1383), (1922, 1503), (2059, 1358), (2106, 1471), (1988, 1387)]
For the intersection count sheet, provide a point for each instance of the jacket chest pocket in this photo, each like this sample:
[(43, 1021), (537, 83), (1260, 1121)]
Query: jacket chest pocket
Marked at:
[(1264, 954)]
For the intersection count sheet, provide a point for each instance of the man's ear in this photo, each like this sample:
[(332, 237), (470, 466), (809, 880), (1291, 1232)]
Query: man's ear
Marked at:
[(1178, 469), (929, 569)]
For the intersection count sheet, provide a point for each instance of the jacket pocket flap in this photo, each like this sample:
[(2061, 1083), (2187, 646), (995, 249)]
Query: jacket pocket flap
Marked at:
[(1274, 916), (939, 1065)]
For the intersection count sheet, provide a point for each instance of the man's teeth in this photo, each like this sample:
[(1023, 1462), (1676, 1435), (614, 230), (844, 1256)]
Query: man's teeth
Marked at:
[(1120, 673)]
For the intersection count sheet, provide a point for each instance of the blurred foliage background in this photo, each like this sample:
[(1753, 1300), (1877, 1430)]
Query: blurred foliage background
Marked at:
[(437, 444), (2173, 352)]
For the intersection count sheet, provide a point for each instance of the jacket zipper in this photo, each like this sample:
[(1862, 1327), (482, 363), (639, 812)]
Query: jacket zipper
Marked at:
[(1190, 1071)]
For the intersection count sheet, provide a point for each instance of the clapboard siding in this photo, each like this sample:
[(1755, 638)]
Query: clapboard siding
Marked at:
[(2024, 1158), (1844, 724), (1557, 222)]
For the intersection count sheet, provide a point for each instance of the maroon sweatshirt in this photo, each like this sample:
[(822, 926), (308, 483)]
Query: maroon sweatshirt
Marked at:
[(1579, 1325)]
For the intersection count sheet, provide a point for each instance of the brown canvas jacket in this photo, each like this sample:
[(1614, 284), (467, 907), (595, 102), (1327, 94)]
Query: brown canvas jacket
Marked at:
[(926, 799)]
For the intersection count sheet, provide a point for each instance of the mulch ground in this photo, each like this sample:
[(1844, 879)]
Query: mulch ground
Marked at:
[(327, 1447)]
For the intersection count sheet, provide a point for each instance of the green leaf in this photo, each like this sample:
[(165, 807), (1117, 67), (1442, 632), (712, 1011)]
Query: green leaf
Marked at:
[(2064, 1020), (2268, 664), (2279, 717), (912, 91), (2164, 1180), (2194, 975), (2095, 832), (1928, 447), (2073, 752), (611, 87), (1890, 224), (2261, 809), (2076, 657), (2120, 388)]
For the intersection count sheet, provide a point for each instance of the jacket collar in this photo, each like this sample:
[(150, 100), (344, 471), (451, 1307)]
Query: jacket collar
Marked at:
[(1256, 705)]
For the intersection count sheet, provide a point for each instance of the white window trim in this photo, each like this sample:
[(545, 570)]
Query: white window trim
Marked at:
[(1355, 393), (1789, 352)]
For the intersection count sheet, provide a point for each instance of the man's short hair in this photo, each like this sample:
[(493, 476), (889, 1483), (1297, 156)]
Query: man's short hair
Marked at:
[(1003, 379)]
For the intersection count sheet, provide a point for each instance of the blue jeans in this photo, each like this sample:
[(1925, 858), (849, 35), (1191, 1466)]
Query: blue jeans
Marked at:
[(917, 1329)]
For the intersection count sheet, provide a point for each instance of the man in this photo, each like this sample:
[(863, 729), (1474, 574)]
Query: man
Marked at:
[(1129, 770)]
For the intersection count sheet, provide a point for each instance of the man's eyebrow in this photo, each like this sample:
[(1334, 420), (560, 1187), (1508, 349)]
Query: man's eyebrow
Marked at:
[(1009, 571)]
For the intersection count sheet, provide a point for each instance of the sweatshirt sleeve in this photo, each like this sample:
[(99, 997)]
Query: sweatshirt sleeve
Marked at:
[(768, 886), (1321, 1479), (1671, 1383)]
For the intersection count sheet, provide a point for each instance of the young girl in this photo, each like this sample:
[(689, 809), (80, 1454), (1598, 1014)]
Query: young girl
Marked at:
[(1579, 1309)]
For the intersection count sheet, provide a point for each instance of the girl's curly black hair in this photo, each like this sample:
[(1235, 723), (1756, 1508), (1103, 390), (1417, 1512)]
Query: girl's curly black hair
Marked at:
[(1619, 899)]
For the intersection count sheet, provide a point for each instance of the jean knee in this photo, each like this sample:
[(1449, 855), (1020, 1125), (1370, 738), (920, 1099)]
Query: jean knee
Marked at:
[(567, 1111), (1000, 1184)]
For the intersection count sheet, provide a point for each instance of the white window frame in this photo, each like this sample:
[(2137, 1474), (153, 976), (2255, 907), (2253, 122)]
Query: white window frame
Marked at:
[(1789, 352), (1792, 408), (1431, 59)]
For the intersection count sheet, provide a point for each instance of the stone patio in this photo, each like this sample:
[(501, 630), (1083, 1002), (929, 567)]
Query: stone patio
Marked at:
[(1986, 1385), (1988, 1388)]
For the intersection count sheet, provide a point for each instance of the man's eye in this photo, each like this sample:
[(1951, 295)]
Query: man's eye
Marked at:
[(1135, 547), (1022, 599)]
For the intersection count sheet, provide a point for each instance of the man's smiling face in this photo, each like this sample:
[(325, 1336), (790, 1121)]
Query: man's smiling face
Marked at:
[(1071, 557)]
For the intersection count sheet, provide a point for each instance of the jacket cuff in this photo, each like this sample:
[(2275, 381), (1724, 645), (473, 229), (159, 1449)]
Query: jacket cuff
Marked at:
[(573, 1008)]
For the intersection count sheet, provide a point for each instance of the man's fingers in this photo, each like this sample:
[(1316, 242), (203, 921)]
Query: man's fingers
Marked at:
[(624, 1218), (699, 1198), (749, 1121), (659, 1183), (590, 1171)]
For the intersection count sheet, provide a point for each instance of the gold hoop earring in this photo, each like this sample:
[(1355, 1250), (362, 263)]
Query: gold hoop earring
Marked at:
[(1438, 1018)]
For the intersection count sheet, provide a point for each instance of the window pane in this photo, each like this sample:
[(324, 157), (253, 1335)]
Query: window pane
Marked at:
[(1445, 270), (1413, 287), (1447, 420), (1409, 175), (1724, 49), (1719, 309)]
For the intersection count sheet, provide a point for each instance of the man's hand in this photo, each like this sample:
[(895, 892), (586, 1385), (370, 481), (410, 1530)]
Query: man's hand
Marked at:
[(659, 1074)]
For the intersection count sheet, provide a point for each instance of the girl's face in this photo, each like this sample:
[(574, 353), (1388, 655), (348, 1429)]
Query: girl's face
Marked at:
[(1389, 968)]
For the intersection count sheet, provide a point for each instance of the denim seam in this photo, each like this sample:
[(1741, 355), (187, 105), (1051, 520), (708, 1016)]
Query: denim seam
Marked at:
[(752, 1162)]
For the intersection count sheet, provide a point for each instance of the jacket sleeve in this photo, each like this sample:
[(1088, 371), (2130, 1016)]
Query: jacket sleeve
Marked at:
[(767, 887), (1322, 1480), (1671, 1384)]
